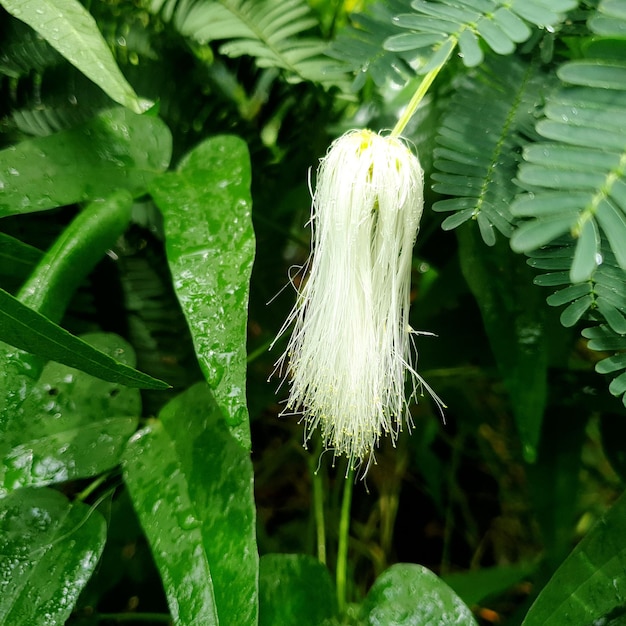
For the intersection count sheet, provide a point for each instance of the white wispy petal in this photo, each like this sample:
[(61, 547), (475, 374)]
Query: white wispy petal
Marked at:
[(349, 354)]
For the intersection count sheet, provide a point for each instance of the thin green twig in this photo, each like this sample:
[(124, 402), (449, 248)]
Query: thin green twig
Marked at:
[(318, 504), (418, 96), (342, 548)]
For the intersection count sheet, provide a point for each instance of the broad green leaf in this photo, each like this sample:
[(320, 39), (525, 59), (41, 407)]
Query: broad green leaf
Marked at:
[(62, 403), (17, 260), (172, 522), (28, 330), (411, 594), (74, 453), (69, 28), (116, 149), (191, 484), (294, 589), (71, 397), (69, 424), (476, 585), (48, 551), (210, 248), (512, 312), (590, 586)]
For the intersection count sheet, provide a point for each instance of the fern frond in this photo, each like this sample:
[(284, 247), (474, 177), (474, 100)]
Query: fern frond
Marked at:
[(601, 298), (271, 31), (604, 294), (359, 46), (440, 25), (578, 177), (22, 50), (479, 141), (610, 19)]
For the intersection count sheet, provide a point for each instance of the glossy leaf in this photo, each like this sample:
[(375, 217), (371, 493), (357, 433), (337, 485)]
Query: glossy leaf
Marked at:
[(210, 247), (64, 168), (63, 400), (69, 28), (17, 260), (295, 589), (512, 314), (476, 585), (28, 330), (411, 594), (48, 551), (590, 586), (199, 516), (74, 453), (72, 256), (69, 426)]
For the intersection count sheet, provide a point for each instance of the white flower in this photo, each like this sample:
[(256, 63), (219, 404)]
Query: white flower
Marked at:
[(350, 351)]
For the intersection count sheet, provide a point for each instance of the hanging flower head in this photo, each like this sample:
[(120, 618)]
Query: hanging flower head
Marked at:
[(350, 350)]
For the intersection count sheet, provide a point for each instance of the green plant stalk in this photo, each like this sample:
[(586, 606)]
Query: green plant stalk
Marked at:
[(418, 96), (342, 547), (91, 487), (50, 287), (318, 505)]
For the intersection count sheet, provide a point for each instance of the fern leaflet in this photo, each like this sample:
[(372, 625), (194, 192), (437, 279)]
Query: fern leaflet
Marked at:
[(475, 164), (577, 179), (439, 26), (268, 30), (604, 293), (360, 46), (610, 19)]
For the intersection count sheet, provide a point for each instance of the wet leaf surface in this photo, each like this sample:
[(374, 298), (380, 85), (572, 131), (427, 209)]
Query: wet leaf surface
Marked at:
[(64, 168), (200, 521), (48, 550), (210, 245), (68, 424), (294, 589), (411, 595), (69, 28)]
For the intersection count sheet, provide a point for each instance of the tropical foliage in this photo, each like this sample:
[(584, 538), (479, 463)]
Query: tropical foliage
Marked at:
[(153, 201)]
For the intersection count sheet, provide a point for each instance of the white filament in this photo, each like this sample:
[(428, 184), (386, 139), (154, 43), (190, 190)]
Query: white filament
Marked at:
[(350, 349)]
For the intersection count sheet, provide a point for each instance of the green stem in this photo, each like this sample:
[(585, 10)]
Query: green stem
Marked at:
[(318, 509), (342, 548), (91, 487), (418, 96), (74, 254)]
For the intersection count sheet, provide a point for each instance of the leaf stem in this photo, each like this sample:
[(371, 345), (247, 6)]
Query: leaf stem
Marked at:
[(418, 96), (92, 486), (342, 548), (318, 505)]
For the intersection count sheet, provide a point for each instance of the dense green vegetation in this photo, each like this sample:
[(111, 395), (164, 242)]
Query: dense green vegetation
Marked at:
[(154, 199)]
